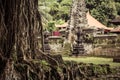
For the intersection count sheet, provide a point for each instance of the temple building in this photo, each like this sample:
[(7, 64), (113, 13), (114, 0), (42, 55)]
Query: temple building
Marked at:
[(116, 22), (92, 23)]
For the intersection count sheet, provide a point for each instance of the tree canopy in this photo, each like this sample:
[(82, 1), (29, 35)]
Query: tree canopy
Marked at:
[(103, 10), (59, 10)]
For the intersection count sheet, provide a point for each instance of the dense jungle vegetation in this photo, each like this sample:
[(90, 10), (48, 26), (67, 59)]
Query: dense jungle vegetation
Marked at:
[(58, 11)]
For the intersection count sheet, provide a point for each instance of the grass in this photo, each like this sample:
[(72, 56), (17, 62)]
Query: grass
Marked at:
[(94, 60)]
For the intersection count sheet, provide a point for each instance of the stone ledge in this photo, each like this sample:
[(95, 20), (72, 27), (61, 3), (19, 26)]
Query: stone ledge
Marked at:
[(116, 59)]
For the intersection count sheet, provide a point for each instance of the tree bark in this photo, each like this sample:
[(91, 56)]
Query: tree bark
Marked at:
[(20, 25)]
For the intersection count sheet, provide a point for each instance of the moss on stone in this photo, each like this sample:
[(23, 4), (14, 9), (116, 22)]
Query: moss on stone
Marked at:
[(40, 69)]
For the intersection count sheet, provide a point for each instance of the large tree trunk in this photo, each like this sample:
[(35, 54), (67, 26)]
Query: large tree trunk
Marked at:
[(20, 25)]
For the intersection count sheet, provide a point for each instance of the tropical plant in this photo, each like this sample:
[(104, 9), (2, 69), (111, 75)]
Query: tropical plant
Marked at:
[(102, 10)]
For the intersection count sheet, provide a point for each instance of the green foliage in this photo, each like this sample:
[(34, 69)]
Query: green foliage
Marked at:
[(103, 10), (59, 69), (43, 62), (60, 21), (94, 60), (117, 4), (60, 10), (100, 69), (57, 10), (44, 11), (66, 49), (51, 26)]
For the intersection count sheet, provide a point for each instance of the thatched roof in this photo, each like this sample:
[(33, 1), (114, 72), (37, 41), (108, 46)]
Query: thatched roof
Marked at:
[(92, 22), (116, 20), (117, 29)]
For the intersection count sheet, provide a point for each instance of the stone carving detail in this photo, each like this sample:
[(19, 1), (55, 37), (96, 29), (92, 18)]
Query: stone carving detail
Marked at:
[(78, 22)]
